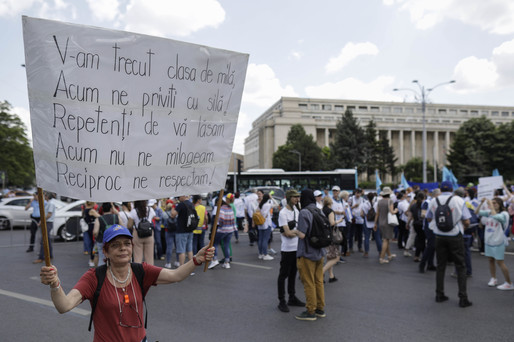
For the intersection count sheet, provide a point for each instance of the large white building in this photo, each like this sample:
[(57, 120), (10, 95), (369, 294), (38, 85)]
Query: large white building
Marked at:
[(402, 122)]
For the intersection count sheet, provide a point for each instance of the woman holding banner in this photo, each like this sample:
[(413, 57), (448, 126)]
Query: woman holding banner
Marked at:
[(118, 314)]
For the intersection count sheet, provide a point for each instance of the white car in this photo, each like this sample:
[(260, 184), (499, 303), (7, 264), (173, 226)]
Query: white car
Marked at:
[(13, 213), (67, 221)]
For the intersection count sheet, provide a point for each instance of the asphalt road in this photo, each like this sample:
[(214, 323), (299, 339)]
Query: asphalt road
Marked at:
[(370, 302)]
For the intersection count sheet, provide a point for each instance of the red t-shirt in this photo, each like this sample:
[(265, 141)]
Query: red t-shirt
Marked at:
[(107, 314)]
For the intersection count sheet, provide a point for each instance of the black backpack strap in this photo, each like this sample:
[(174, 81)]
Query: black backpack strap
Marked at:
[(448, 200), (100, 276), (139, 273)]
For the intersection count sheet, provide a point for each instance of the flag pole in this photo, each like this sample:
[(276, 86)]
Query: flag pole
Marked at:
[(215, 224), (44, 231)]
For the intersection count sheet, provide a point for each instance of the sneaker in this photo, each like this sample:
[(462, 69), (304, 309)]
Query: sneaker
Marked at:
[(213, 264), (31, 249), (261, 256), (431, 268), (282, 306), (306, 316), (38, 261), (505, 287), (168, 265), (272, 251), (267, 257), (391, 257), (91, 263), (492, 282), (331, 280), (342, 261), (464, 303), (320, 313), (383, 261), (294, 301), (192, 273), (226, 265), (406, 254), (176, 264)]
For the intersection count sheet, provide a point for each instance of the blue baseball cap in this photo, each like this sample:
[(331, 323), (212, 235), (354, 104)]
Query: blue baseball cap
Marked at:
[(114, 231), (446, 186)]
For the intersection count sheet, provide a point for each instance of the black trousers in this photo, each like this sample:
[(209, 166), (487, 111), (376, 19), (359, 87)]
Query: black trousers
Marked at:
[(33, 230), (450, 247), (403, 233), (287, 271)]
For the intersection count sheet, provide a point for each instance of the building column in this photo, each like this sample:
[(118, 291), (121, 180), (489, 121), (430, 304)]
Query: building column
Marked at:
[(327, 134), (413, 143), (446, 144), (436, 148), (400, 137), (389, 136)]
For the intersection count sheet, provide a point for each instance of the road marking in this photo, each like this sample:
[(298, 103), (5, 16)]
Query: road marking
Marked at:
[(252, 265), (40, 301)]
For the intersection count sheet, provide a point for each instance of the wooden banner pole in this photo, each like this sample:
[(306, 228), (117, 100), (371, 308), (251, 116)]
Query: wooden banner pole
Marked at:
[(215, 224), (44, 232)]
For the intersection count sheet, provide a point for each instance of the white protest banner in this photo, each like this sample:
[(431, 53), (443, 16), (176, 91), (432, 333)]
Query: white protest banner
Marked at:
[(123, 116), (487, 186)]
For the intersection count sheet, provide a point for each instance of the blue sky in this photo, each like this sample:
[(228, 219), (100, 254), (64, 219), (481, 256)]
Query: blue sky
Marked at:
[(323, 49)]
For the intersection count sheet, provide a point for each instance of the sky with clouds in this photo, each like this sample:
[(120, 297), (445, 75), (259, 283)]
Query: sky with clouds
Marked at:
[(335, 49)]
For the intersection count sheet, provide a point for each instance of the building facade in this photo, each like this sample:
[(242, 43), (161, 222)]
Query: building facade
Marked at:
[(401, 121)]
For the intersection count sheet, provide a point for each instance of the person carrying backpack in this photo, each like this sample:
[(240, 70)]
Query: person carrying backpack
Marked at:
[(117, 306), (448, 219), (310, 260), (110, 217), (142, 216)]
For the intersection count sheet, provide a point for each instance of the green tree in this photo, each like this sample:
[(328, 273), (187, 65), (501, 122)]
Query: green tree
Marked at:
[(474, 151), (298, 140), (348, 148), (16, 157), (413, 170), (386, 157), (371, 150)]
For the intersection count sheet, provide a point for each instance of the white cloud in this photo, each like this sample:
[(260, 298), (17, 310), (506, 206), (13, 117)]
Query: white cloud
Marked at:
[(11, 8), (262, 87), (475, 74), (348, 53), (172, 17), (493, 16), (351, 88), (105, 10), (295, 55)]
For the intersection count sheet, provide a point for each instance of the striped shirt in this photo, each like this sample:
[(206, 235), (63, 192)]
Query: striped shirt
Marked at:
[(226, 220)]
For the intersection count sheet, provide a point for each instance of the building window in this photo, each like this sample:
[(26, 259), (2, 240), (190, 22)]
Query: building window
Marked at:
[(374, 109), (363, 108), (464, 111), (339, 107), (475, 112), (408, 110), (398, 109), (352, 108), (505, 113), (302, 105), (442, 111), (326, 107), (484, 112), (453, 111), (386, 109), (495, 113), (314, 106)]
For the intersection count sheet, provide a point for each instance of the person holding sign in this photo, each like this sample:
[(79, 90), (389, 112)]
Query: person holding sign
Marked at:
[(497, 219), (118, 313)]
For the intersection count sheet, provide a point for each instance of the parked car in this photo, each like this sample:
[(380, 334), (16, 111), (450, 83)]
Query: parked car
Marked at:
[(67, 221), (13, 213)]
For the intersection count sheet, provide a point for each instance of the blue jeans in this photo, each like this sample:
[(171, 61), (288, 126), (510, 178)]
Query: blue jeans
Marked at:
[(49, 227), (101, 256), (225, 237), (376, 236), (87, 242), (170, 243), (264, 235), (158, 243), (184, 242), (468, 242)]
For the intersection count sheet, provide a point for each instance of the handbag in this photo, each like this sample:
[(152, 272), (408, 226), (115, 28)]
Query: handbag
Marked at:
[(392, 219), (83, 225), (337, 235), (257, 218)]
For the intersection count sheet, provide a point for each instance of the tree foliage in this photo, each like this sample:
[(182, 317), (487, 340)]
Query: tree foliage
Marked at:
[(349, 146), (386, 157), (371, 149), (299, 140), (413, 170), (480, 147), (16, 157)]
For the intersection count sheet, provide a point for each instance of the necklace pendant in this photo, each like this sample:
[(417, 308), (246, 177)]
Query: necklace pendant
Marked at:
[(126, 299)]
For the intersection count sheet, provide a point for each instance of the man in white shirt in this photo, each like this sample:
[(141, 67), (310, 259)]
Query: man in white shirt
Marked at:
[(403, 230), (251, 203), (449, 244), (338, 208), (319, 199), (355, 204), (288, 220)]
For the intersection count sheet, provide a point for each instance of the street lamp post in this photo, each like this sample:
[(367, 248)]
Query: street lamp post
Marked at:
[(422, 96), (299, 159)]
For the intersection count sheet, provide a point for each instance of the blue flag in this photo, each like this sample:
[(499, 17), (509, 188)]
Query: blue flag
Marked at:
[(449, 177), (378, 181), (404, 184), (496, 172)]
